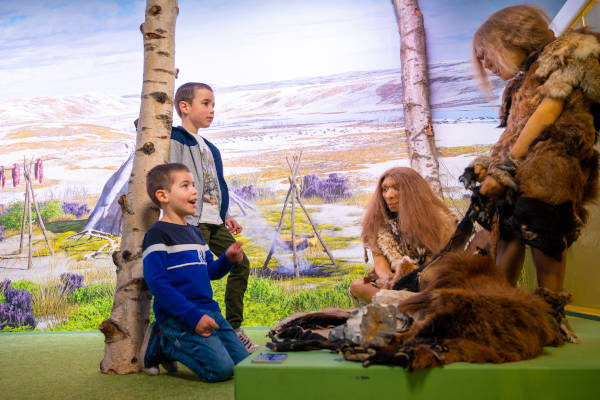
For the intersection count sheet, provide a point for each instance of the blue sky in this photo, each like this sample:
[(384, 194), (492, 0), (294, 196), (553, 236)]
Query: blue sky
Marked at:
[(55, 48)]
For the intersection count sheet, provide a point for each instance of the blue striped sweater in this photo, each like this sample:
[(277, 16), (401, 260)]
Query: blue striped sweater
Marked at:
[(178, 268)]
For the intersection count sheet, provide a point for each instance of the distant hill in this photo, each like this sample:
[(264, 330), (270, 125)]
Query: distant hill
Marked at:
[(85, 138)]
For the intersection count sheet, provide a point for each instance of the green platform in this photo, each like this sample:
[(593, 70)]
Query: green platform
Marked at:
[(570, 372)]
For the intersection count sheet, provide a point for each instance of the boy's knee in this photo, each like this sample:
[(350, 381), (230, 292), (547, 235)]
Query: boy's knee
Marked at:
[(221, 370)]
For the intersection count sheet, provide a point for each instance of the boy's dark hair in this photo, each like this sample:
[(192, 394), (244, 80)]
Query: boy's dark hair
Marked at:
[(186, 93), (161, 177)]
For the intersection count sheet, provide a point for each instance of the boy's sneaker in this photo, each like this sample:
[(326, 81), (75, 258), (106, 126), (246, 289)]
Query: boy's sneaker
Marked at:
[(170, 366), (251, 347), (151, 354), (148, 347)]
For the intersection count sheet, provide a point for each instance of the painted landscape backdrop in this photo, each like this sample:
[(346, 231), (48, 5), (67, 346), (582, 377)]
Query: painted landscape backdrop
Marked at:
[(348, 126)]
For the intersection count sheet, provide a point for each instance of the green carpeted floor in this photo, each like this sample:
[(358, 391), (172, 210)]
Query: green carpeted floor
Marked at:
[(66, 366)]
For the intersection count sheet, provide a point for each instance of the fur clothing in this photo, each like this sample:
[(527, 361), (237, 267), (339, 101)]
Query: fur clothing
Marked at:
[(467, 312), (403, 256), (394, 246), (561, 167)]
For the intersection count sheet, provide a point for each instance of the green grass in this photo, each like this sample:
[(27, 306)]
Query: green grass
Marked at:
[(265, 303), (87, 316), (66, 366), (61, 229), (255, 253), (31, 287), (75, 247), (66, 225), (273, 215), (13, 216)]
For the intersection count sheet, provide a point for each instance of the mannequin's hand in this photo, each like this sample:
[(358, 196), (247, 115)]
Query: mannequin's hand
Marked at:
[(491, 187)]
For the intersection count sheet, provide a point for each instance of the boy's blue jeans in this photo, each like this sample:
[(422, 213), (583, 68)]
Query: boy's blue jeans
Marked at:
[(212, 358)]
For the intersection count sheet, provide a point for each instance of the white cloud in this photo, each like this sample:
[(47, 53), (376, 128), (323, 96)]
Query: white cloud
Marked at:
[(74, 46), (79, 46), (70, 47), (276, 41)]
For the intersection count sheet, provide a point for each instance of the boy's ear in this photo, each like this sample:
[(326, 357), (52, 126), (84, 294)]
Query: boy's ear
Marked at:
[(161, 196), (184, 107)]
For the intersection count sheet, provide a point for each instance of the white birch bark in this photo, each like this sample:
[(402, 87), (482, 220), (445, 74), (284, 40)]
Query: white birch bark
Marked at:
[(124, 329), (415, 92)]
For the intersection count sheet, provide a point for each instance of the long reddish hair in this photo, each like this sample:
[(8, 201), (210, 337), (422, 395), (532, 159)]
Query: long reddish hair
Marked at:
[(423, 218)]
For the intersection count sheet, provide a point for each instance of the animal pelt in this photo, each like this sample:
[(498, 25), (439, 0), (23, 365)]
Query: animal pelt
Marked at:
[(394, 246), (315, 320), (558, 301), (568, 62), (468, 312), (562, 164), (307, 331)]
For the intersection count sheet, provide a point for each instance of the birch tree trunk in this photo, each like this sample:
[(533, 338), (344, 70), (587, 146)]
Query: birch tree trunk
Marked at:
[(124, 329), (415, 92)]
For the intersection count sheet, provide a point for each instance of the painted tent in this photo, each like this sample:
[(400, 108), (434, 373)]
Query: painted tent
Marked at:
[(106, 215)]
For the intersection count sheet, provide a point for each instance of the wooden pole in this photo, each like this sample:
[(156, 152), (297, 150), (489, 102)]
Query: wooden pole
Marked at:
[(235, 201), (26, 201), (280, 221), (313, 225), (28, 188), (37, 211), (293, 216), (278, 229), (241, 201), (297, 197)]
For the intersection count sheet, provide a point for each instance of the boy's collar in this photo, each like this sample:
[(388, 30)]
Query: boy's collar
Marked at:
[(190, 133), (172, 223), (186, 131)]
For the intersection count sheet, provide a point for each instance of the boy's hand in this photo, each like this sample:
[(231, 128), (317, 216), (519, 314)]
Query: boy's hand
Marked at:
[(233, 225), (234, 252), (205, 326)]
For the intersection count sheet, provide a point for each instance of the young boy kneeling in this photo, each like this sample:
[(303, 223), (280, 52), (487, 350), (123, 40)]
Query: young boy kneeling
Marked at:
[(178, 267)]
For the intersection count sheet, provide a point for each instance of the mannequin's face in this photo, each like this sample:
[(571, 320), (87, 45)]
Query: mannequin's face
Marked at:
[(390, 194), (513, 59)]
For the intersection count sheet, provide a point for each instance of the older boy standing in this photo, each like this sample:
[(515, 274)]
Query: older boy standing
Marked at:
[(194, 103)]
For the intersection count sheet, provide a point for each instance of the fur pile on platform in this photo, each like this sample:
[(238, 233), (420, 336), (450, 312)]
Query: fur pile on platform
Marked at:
[(467, 312)]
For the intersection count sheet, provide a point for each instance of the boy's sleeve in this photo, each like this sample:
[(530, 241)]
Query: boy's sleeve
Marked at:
[(175, 151), (155, 274), (217, 268)]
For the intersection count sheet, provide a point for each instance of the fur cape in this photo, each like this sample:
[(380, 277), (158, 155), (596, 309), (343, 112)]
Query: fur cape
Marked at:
[(562, 164), (394, 246), (468, 312)]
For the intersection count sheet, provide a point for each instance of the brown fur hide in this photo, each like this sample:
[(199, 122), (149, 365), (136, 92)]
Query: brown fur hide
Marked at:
[(469, 312), (561, 164)]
